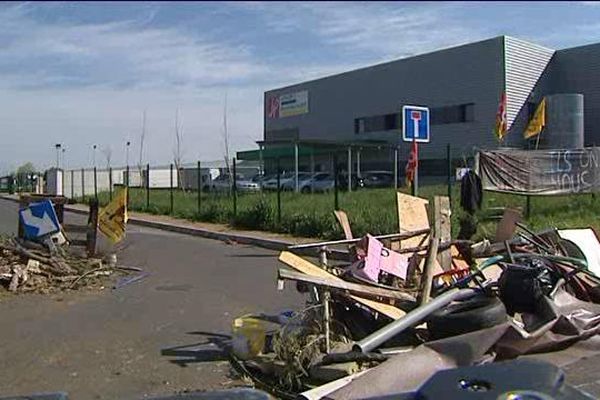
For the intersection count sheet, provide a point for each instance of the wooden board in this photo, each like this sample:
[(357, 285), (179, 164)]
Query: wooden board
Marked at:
[(342, 218), (412, 216), (443, 229), (344, 285), (300, 264), (508, 225)]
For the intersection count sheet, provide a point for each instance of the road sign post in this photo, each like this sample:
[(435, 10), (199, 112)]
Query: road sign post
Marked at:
[(415, 128)]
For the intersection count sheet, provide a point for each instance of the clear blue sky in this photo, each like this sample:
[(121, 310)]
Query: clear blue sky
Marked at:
[(83, 73)]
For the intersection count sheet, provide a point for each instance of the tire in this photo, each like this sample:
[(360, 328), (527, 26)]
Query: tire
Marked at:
[(470, 315)]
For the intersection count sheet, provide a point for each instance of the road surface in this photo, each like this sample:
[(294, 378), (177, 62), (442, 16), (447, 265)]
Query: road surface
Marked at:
[(108, 344)]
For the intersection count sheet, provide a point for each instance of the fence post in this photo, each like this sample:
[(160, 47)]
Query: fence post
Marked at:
[(110, 183), (278, 192), (234, 188), (72, 183), (147, 186), (199, 177), (396, 168), (95, 184), (127, 183), (528, 206), (82, 185), (336, 201), (171, 187), (449, 157)]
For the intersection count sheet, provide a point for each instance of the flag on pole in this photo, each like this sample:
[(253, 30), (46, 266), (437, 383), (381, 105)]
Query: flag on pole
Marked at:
[(538, 121), (501, 121), (112, 219), (411, 165)]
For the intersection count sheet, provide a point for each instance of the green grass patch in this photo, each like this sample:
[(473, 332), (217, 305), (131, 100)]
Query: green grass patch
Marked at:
[(370, 211)]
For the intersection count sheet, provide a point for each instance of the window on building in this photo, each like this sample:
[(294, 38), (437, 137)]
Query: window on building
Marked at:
[(439, 116), (453, 114), (377, 123)]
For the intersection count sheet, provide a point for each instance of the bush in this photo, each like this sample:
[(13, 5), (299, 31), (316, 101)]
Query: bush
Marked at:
[(259, 216)]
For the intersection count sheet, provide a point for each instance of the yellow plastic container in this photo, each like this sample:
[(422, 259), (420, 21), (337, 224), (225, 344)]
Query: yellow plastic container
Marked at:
[(249, 335)]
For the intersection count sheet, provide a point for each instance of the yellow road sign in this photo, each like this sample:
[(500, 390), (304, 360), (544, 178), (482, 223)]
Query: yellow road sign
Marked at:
[(112, 219)]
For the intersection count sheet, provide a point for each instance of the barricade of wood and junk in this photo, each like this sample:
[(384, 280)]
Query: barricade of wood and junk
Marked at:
[(383, 314)]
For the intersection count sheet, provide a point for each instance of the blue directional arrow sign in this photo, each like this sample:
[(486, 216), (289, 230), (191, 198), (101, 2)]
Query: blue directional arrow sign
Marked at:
[(415, 124), (39, 219)]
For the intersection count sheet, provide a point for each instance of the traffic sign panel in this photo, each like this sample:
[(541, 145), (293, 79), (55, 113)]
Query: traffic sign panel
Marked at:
[(39, 219), (415, 124)]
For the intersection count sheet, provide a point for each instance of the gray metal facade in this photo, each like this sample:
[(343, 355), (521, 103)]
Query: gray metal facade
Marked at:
[(474, 74)]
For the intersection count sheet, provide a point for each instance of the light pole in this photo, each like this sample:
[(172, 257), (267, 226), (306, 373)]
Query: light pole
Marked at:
[(127, 152), (94, 154), (63, 157), (57, 146)]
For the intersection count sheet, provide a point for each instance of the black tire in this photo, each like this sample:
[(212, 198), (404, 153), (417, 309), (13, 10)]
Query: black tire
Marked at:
[(470, 315)]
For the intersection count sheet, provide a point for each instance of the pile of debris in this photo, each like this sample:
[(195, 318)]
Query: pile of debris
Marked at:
[(406, 305), (27, 266)]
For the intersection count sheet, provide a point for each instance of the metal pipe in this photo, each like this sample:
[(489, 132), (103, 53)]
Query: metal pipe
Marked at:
[(406, 235), (429, 265), (412, 318)]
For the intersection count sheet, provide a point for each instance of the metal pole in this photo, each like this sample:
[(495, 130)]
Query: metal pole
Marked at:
[(358, 163), (234, 188), (396, 168), (147, 186), (171, 187), (312, 167), (449, 157), (412, 318), (415, 185), (336, 200), (278, 192), (110, 183), (296, 166), (199, 177), (95, 184), (349, 169), (127, 182)]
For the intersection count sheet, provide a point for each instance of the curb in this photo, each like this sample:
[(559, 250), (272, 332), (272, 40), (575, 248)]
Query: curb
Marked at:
[(271, 244)]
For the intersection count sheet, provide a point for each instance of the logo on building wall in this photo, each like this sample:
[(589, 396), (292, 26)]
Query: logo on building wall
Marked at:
[(288, 105)]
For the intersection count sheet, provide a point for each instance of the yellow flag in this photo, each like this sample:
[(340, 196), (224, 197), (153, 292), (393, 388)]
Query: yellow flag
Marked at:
[(112, 219), (538, 121)]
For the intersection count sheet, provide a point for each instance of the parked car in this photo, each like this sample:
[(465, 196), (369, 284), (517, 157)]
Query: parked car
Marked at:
[(319, 182), (304, 179), (224, 183), (271, 183), (376, 179)]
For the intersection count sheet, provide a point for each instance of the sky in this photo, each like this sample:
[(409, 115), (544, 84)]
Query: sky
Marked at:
[(84, 74)]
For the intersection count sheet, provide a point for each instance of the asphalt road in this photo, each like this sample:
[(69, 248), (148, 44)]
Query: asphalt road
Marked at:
[(109, 344)]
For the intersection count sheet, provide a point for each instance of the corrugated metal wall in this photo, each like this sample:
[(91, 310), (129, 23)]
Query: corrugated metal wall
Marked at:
[(578, 71), (524, 65), (472, 73)]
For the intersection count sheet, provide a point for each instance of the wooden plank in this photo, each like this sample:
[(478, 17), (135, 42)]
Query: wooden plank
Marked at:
[(300, 264), (443, 229), (412, 216), (508, 225), (342, 218), (344, 285)]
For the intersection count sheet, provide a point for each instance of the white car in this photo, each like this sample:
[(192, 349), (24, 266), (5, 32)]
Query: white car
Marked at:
[(223, 183)]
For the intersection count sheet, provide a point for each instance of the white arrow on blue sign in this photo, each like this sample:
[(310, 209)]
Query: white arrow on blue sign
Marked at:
[(415, 124), (39, 219)]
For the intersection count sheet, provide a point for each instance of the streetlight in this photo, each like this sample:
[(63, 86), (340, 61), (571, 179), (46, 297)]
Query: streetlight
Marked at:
[(94, 154), (57, 146), (127, 153)]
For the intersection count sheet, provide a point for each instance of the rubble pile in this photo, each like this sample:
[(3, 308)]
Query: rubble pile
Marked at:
[(27, 266), (397, 308)]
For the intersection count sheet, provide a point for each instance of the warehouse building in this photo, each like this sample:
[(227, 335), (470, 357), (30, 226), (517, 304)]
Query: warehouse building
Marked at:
[(355, 116)]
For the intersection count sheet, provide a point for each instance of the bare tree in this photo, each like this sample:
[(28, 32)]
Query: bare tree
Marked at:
[(177, 151), (107, 151), (142, 138), (226, 139)]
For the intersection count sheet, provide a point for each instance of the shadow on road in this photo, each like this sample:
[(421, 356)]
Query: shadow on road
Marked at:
[(252, 255), (214, 348)]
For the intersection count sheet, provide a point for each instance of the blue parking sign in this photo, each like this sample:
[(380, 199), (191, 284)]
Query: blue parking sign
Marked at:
[(415, 124)]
